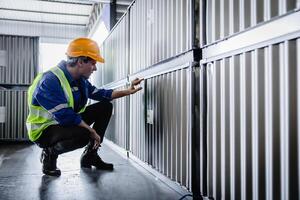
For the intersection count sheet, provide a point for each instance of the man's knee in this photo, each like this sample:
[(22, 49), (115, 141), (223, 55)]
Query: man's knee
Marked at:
[(106, 106), (109, 107)]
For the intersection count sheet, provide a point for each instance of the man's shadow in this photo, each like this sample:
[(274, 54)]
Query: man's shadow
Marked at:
[(92, 177), (89, 184), (93, 182), (46, 188)]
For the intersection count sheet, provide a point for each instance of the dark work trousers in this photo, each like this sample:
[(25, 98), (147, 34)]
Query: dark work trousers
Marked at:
[(63, 139)]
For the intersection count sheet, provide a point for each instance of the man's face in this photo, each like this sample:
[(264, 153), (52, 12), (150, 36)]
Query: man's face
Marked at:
[(86, 69)]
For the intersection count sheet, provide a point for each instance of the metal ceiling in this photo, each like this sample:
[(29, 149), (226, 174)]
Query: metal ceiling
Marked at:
[(66, 15)]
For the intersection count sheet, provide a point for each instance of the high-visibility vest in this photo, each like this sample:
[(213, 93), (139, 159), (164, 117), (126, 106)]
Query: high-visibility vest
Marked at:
[(39, 118)]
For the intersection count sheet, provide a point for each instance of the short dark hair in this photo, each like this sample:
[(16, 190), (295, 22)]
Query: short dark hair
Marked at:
[(72, 61)]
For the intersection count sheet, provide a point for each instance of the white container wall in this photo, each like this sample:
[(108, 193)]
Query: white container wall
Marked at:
[(13, 114), (227, 17), (252, 138), (115, 51), (117, 130), (159, 30), (161, 118), (137, 125), (153, 40), (252, 131), (168, 125), (160, 130), (21, 55), (249, 94)]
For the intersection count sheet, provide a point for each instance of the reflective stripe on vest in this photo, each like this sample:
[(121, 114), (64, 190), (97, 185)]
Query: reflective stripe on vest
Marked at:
[(39, 118)]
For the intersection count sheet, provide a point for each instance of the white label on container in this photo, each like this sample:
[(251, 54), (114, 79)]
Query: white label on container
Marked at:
[(2, 114), (3, 58), (150, 116)]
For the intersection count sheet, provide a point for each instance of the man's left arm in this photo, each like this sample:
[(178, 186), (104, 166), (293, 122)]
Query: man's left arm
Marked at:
[(131, 90), (99, 94)]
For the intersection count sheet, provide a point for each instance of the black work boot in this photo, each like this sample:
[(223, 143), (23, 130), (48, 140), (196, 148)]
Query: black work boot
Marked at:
[(90, 158), (48, 159)]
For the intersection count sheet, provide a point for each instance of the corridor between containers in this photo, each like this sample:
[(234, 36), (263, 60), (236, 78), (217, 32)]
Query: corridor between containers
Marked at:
[(217, 116)]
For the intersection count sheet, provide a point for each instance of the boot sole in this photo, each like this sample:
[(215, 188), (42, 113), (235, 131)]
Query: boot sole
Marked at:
[(99, 168), (52, 173), (107, 169), (86, 166)]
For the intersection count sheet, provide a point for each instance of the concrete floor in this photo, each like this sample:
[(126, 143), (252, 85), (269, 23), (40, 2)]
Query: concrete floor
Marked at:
[(21, 178)]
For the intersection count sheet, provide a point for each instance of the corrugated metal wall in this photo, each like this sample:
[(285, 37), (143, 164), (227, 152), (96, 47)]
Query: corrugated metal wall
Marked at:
[(137, 125), (159, 30), (117, 130), (252, 138), (249, 95), (168, 138), (151, 32), (115, 50), (227, 17), (15, 108), (22, 59), (253, 117), (164, 141), (21, 55)]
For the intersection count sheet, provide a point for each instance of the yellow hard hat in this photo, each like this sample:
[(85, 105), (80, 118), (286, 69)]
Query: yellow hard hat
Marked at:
[(84, 47)]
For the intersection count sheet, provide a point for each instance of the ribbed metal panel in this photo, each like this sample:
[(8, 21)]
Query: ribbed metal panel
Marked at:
[(253, 124), (115, 50), (226, 17), (117, 130), (158, 30), (15, 103), (22, 59), (137, 128), (166, 143)]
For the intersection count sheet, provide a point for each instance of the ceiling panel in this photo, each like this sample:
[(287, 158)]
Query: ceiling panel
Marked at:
[(34, 17), (47, 6), (43, 18)]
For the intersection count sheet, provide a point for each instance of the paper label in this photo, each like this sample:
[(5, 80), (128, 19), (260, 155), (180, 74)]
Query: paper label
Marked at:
[(3, 58), (2, 114), (150, 116)]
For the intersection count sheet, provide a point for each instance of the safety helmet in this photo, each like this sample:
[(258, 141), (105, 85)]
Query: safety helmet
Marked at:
[(84, 47)]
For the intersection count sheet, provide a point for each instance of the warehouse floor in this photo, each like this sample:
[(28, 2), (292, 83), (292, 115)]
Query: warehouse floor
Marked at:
[(21, 177)]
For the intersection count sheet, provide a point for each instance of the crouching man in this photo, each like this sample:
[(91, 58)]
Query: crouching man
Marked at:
[(58, 119)]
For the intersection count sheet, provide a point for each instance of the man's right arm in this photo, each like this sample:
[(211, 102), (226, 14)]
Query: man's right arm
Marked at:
[(93, 134)]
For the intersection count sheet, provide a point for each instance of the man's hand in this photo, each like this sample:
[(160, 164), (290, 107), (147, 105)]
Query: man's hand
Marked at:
[(131, 90), (96, 137), (93, 134), (135, 82)]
